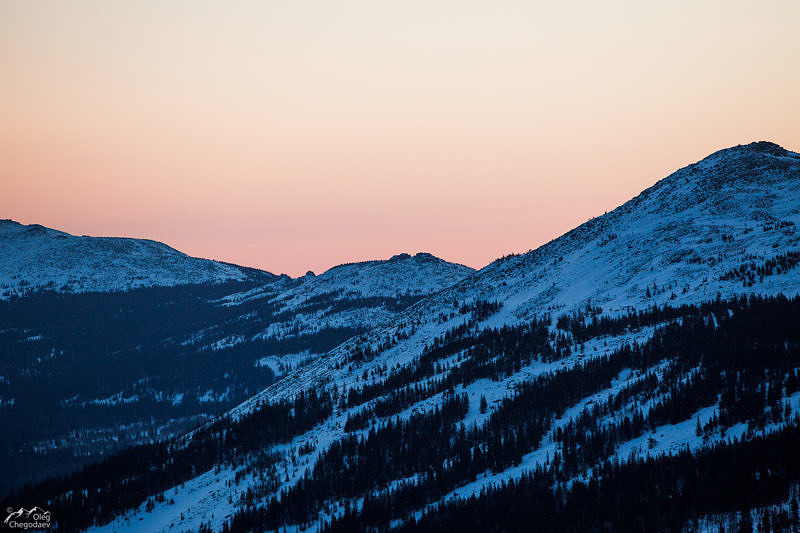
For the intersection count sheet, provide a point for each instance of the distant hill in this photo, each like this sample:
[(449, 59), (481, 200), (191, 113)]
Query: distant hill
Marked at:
[(87, 373), (34, 257), (639, 373)]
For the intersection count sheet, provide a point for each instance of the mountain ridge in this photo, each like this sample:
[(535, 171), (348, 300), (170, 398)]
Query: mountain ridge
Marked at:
[(648, 334), (34, 257), (486, 280), (165, 358)]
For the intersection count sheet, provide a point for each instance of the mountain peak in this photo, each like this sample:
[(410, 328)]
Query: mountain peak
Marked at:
[(722, 175), (420, 256), (34, 257), (757, 163), (767, 146), (763, 147)]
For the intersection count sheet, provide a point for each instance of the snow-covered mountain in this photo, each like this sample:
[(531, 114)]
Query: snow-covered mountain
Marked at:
[(611, 379), (33, 257), (402, 274), (701, 231), (349, 298), (163, 359), (359, 295), (726, 225)]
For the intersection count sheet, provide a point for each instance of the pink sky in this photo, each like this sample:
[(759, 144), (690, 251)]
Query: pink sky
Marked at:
[(298, 135)]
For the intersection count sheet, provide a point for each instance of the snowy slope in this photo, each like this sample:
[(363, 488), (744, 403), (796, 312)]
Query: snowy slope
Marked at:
[(722, 227), (402, 274), (681, 236), (359, 295), (227, 346), (34, 257)]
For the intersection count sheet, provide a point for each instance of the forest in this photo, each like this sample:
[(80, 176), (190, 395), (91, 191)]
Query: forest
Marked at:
[(107, 370), (738, 357)]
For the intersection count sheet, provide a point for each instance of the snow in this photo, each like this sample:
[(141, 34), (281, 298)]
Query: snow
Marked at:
[(281, 363), (34, 257), (202, 499), (115, 399), (403, 274), (671, 437), (677, 239), (346, 290)]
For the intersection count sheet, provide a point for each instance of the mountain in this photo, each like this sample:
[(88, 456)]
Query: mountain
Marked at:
[(702, 230), (688, 239), (359, 296), (639, 373), (85, 374), (402, 274), (34, 257)]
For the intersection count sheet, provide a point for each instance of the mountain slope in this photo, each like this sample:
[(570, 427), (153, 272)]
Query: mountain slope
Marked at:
[(34, 257), (402, 274), (357, 295), (737, 207), (613, 356), (84, 374), (698, 233)]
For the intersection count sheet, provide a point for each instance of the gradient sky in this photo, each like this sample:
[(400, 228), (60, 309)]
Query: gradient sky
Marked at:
[(296, 135)]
